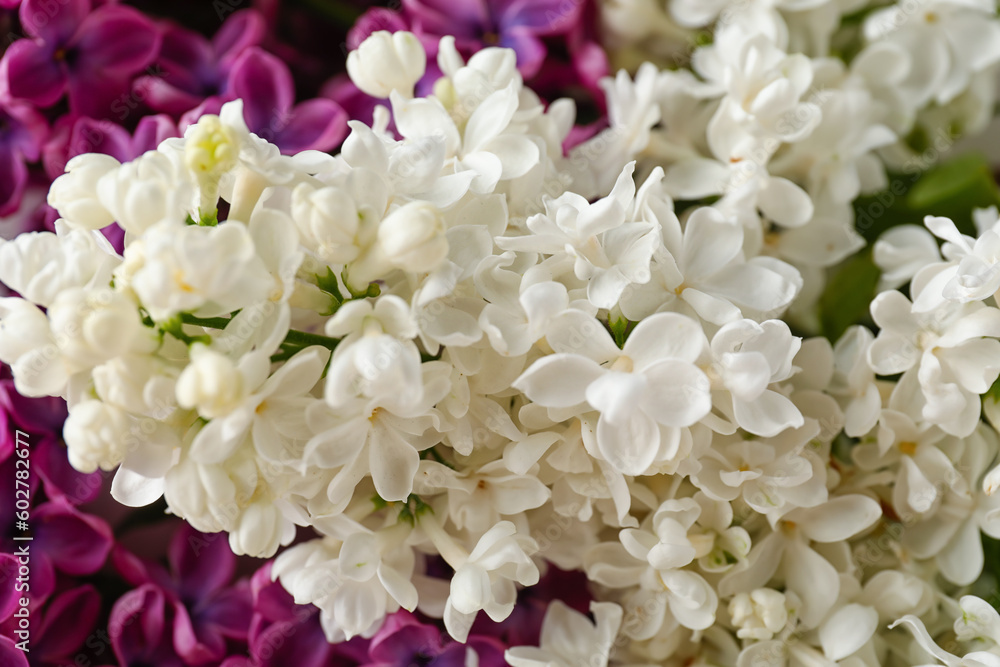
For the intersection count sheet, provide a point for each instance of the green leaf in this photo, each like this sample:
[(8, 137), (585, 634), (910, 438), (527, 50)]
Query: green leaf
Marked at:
[(848, 295), (953, 189), (619, 330)]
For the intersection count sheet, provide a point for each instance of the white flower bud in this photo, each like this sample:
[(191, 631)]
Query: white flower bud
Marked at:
[(74, 194), (139, 383), (759, 614), (212, 383), (92, 326), (387, 61), (145, 191), (328, 219), (260, 530), (413, 238), (95, 434)]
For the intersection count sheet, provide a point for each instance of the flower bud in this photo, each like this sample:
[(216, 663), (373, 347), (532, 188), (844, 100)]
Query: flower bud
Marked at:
[(74, 194), (95, 434), (92, 326), (212, 383), (145, 191), (328, 220), (412, 238), (759, 614), (260, 530), (387, 61)]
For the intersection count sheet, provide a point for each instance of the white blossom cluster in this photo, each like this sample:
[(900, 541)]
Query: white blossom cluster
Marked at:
[(453, 339)]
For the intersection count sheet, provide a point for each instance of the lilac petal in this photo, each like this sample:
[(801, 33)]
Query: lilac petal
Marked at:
[(240, 31), (43, 576), (9, 599), (96, 95), (116, 40), (61, 480), (272, 648), (78, 543), (530, 50), (54, 22), (265, 84), (160, 94), (136, 623), (36, 415), (100, 136), (271, 600), (151, 132), (27, 129), (195, 645), (236, 661), (229, 611), (32, 74), (542, 17), (355, 103), (591, 64), (10, 655), (317, 124), (13, 179), (446, 17), (373, 20), (489, 649), (69, 620), (137, 572), (453, 656), (201, 563), (402, 638)]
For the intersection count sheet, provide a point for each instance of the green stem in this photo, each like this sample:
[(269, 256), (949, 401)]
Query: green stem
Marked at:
[(209, 322), (304, 339)]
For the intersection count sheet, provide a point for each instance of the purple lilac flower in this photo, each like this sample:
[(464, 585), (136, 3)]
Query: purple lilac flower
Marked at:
[(284, 633), (265, 84), (140, 629), (205, 609), (403, 641), (89, 53), (59, 630), (22, 132), (190, 68)]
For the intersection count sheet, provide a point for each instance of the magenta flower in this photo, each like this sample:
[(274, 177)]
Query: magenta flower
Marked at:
[(65, 539), (59, 630), (404, 641), (89, 53), (42, 421), (22, 131), (139, 629), (284, 633), (268, 92), (205, 609), (74, 136), (190, 68)]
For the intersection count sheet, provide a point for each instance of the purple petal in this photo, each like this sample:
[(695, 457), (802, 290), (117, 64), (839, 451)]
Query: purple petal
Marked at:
[(36, 415), (447, 17), (9, 598), (13, 178), (530, 50), (54, 22), (229, 611), (489, 649), (60, 479), (195, 645), (99, 136), (10, 655), (317, 124), (402, 639), (270, 599), (27, 129), (265, 84), (542, 17), (136, 623), (69, 620), (151, 132), (77, 543), (373, 20), (240, 31), (32, 74), (116, 40), (43, 577), (97, 95), (162, 95), (275, 647), (201, 563)]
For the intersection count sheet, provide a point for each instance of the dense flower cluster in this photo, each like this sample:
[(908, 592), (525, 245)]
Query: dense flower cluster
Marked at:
[(460, 354)]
